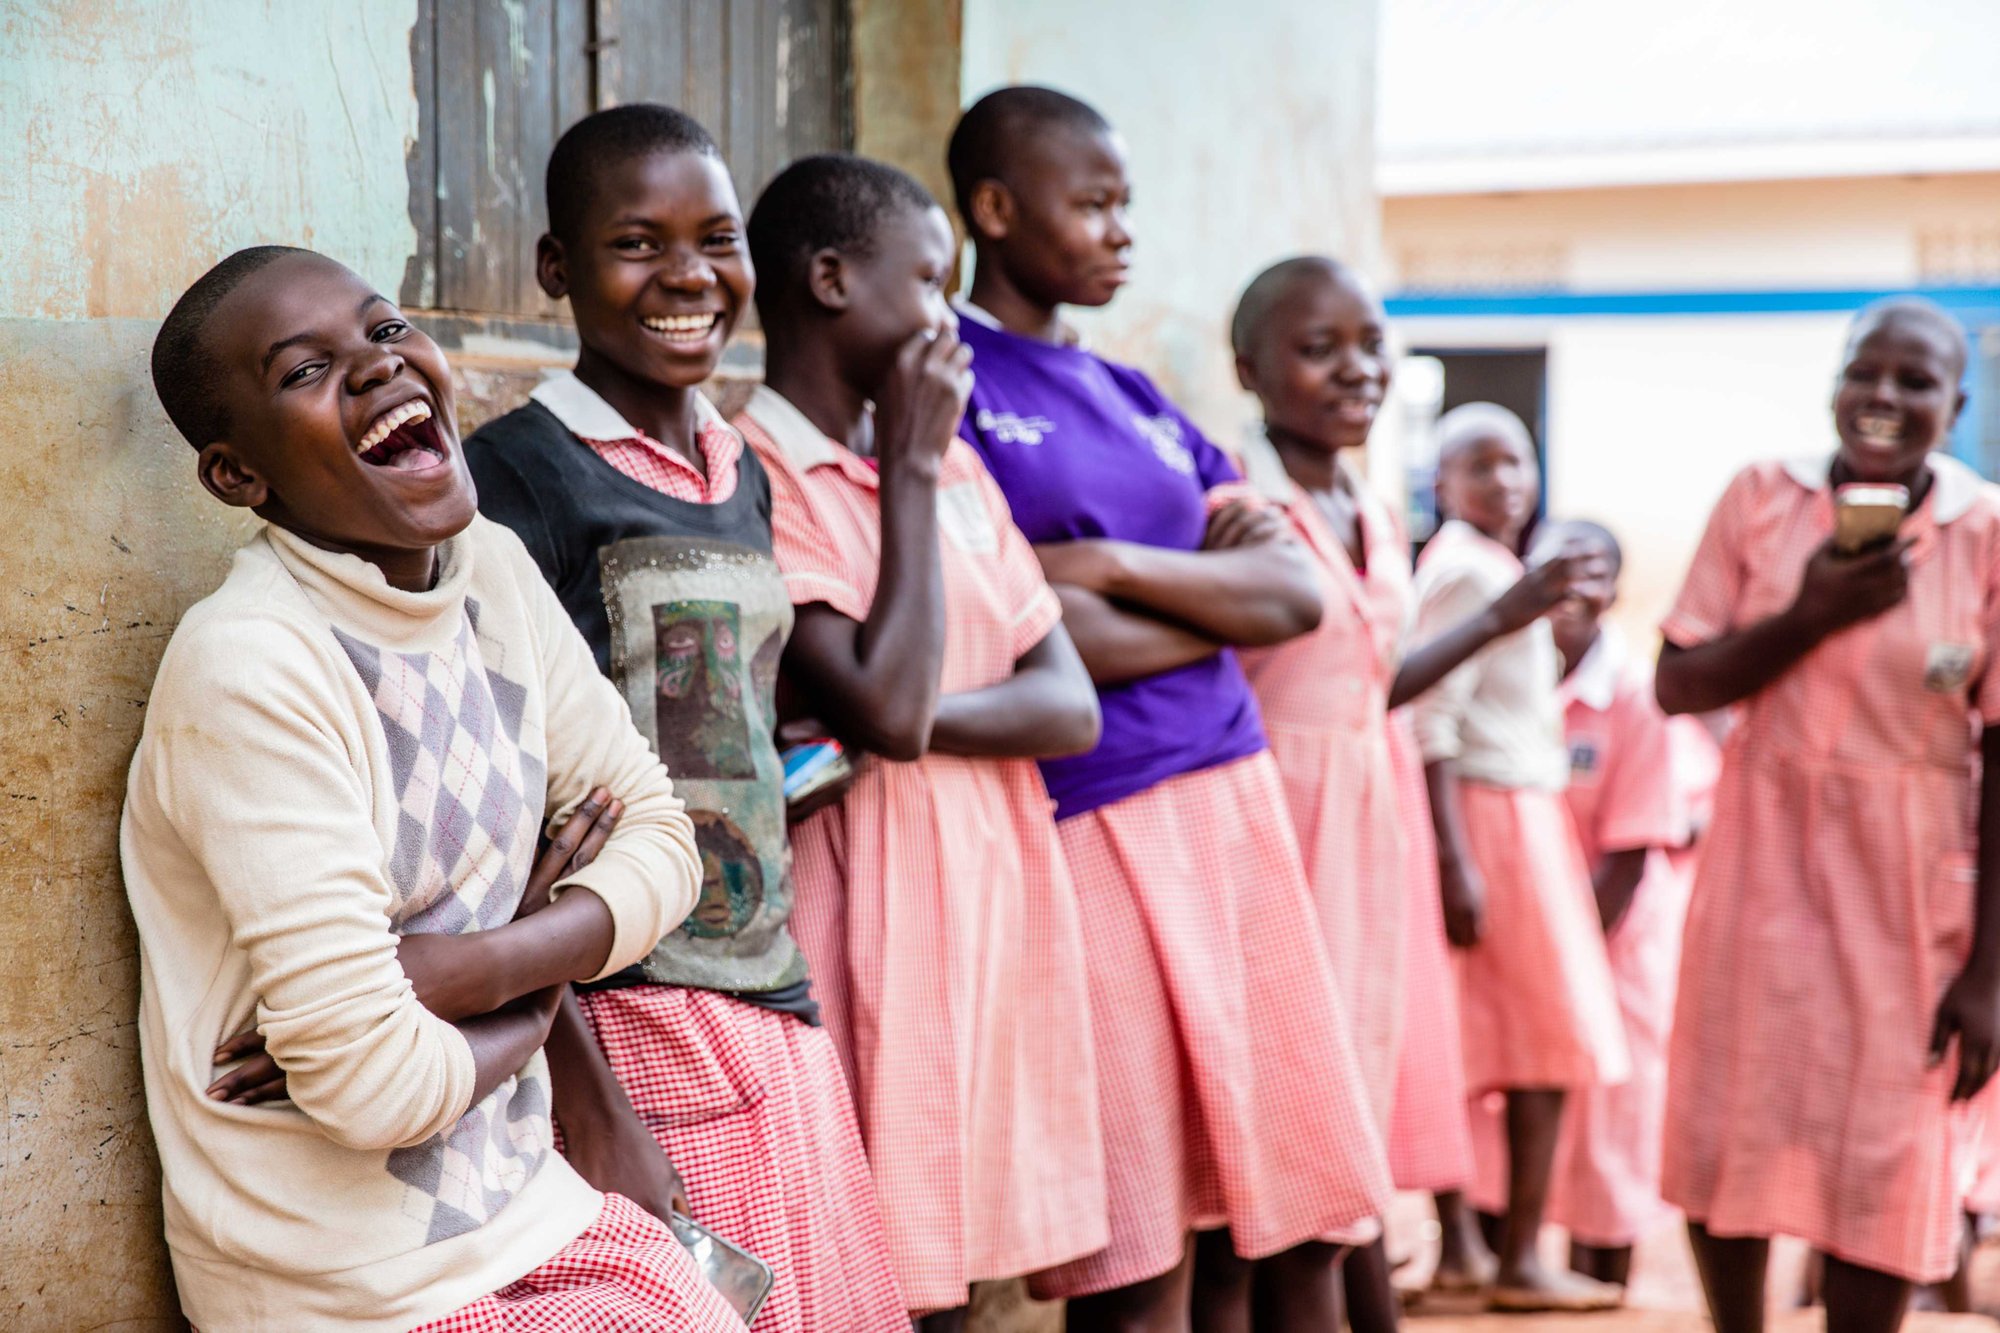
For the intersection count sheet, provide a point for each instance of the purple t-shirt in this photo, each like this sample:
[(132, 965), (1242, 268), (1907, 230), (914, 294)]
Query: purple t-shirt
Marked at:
[(1083, 448)]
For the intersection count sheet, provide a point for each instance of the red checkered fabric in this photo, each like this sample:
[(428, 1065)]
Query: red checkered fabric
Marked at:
[(1535, 996), (625, 1274), (1430, 1143), (751, 1107), (935, 908), (1229, 1087), (1834, 899), (650, 463), (1324, 697)]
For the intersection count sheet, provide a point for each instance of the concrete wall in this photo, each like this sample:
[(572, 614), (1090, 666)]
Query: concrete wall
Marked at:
[(143, 141), (1251, 132), (1648, 417)]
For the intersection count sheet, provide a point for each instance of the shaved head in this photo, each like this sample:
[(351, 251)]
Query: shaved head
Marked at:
[(1917, 313), (1470, 423), (1269, 289), (1001, 124)]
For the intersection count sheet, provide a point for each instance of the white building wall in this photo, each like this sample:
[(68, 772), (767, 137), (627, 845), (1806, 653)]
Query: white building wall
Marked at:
[(1250, 141)]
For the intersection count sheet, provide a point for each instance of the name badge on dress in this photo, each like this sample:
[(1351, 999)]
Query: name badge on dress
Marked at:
[(1584, 760), (1948, 666)]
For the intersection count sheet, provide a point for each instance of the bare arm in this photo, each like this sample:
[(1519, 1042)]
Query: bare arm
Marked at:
[(1533, 595), (1836, 591), (1118, 644), (1971, 1007), (507, 1039), (603, 1137), (1615, 881), (879, 676), (1047, 708), (1461, 889), (1249, 595)]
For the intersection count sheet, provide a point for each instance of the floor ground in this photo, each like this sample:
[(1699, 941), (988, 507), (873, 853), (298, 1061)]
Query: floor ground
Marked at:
[(1665, 1295)]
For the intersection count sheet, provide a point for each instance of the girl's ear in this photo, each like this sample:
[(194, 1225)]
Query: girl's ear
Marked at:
[(826, 278), (1246, 373), (991, 210), (551, 267), (228, 478)]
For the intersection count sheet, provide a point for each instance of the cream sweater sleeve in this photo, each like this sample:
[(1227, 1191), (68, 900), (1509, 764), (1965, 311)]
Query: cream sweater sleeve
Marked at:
[(649, 873), (254, 765)]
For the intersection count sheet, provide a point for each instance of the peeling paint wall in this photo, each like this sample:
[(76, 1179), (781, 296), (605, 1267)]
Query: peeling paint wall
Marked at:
[(1251, 133), (142, 141)]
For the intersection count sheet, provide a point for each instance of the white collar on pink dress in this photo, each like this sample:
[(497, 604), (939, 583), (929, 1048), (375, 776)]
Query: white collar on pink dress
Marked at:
[(797, 438), (1954, 486), (584, 413), (1594, 683)]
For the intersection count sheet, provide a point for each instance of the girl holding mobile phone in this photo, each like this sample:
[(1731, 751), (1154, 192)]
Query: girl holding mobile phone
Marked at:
[(1840, 994)]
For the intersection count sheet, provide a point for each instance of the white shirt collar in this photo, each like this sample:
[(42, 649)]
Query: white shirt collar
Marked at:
[(1262, 467), (1594, 683), (1954, 486), (802, 443), (585, 414), (977, 314)]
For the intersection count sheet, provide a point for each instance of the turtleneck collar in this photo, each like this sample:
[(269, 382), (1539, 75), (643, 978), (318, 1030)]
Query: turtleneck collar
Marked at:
[(355, 596)]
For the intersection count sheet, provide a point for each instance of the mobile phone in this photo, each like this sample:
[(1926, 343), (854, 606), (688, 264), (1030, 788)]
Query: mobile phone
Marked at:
[(1865, 515), (814, 765), (741, 1277)]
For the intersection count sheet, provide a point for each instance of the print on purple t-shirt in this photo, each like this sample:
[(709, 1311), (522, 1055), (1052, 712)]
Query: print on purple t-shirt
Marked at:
[(1083, 448)]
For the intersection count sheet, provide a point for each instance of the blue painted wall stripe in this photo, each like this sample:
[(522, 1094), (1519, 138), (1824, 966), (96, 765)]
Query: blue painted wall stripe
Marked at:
[(1981, 304)]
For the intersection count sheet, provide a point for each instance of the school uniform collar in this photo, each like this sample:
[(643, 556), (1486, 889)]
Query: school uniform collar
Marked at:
[(803, 444), (978, 314), (1954, 486), (1264, 470), (584, 413), (1594, 683)]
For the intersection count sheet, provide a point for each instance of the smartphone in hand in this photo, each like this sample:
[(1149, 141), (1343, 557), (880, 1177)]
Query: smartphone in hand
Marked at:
[(1867, 515)]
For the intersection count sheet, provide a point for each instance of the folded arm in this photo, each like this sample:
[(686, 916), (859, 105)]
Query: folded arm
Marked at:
[(1047, 708), (1248, 596), (1119, 644)]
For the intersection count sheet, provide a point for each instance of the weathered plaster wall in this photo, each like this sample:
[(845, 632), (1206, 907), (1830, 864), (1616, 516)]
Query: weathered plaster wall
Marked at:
[(1250, 129), (142, 141)]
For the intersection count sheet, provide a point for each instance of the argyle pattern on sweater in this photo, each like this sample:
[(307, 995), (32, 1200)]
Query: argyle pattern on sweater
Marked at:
[(469, 809)]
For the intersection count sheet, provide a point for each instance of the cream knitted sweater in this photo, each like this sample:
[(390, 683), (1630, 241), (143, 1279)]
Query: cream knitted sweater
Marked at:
[(329, 763)]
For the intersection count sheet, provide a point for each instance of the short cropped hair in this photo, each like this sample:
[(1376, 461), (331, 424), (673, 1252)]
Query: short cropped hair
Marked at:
[(1911, 310), (991, 128), (1584, 530), (185, 374), (1470, 422), (615, 134), (1253, 308), (827, 201)]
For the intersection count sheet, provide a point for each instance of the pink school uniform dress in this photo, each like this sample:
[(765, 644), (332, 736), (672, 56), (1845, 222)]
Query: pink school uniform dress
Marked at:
[(1624, 793), (935, 907), (1537, 1004), (1229, 1087), (1430, 1135), (1833, 903), (668, 572), (1324, 697)]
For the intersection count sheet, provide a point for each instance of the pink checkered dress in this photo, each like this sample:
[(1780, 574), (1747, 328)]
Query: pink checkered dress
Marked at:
[(625, 1274), (1834, 900), (1430, 1143), (1324, 697), (1230, 1090), (752, 1108), (934, 905)]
